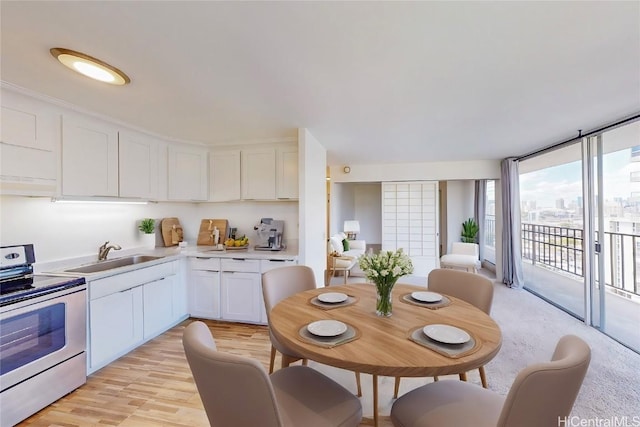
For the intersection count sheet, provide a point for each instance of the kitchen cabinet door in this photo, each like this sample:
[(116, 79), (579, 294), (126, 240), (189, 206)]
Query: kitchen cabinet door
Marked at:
[(158, 306), (180, 298), (287, 173), (138, 166), (115, 326), (241, 297), (259, 174), (224, 175), (204, 294), (89, 157), (187, 173), (29, 137)]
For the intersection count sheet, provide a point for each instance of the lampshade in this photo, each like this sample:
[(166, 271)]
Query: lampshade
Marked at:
[(352, 226)]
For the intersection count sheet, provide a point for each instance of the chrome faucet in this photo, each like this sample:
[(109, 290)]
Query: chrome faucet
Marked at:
[(103, 251)]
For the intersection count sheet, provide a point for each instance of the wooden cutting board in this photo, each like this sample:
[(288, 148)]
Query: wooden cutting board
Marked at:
[(171, 231), (207, 227)]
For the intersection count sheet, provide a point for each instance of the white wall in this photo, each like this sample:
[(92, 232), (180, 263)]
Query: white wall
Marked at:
[(61, 231), (360, 201), (313, 206), (425, 171), (368, 210), (343, 204)]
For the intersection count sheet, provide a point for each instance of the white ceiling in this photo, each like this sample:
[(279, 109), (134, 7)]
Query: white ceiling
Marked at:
[(374, 82)]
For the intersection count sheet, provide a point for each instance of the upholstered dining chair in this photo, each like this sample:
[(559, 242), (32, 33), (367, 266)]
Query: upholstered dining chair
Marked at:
[(237, 391), (278, 284), (542, 394), (473, 288)]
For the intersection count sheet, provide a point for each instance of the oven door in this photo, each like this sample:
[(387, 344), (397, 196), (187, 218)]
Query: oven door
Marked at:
[(40, 333)]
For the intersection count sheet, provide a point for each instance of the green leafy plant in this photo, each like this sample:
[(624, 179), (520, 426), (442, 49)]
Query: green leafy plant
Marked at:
[(147, 226), (469, 231)]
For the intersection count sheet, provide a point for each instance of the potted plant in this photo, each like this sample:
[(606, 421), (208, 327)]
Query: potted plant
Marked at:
[(148, 228), (469, 231)]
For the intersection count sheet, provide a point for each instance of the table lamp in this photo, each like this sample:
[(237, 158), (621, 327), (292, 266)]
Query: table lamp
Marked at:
[(351, 228)]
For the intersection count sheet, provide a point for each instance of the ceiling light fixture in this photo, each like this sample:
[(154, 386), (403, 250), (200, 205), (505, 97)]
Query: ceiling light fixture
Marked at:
[(90, 66)]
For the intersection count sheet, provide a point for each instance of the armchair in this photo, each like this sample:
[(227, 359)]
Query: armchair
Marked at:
[(341, 260), (462, 255)]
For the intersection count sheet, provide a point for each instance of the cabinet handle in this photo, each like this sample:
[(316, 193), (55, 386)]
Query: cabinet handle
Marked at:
[(277, 260), (239, 259), (128, 289)]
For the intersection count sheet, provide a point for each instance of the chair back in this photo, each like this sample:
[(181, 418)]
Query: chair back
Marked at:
[(543, 394), (462, 248), (472, 288), (235, 391), (282, 282)]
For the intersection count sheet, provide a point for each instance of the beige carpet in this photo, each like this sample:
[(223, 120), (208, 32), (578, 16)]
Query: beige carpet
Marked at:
[(531, 329)]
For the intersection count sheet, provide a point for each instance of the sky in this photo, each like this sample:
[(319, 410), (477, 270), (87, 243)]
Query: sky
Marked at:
[(565, 181)]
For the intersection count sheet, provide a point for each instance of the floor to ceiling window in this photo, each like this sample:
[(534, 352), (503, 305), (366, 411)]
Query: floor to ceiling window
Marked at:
[(616, 305), (551, 205), (593, 184), (489, 242)]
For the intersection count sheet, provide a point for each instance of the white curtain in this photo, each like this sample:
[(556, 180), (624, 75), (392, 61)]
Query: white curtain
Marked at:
[(511, 246)]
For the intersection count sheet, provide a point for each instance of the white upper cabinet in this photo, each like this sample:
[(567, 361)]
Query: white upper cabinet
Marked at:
[(287, 173), (138, 165), (187, 173), (224, 175), (29, 138), (89, 157), (259, 174)]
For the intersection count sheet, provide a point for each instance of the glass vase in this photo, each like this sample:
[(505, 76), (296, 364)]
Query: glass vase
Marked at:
[(384, 304)]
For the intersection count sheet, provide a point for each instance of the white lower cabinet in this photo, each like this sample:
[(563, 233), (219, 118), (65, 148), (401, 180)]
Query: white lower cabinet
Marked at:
[(130, 308), (242, 296), (179, 296), (230, 288), (204, 295), (158, 306), (115, 326)]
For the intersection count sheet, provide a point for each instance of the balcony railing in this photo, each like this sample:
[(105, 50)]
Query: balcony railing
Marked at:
[(554, 246), (562, 249)]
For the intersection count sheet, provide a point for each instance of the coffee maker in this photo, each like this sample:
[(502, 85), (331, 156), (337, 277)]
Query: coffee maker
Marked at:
[(270, 233)]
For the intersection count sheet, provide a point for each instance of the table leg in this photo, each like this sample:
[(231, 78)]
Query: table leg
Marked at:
[(346, 274), (375, 400)]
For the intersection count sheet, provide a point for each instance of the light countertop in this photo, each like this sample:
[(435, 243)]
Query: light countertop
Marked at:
[(164, 254)]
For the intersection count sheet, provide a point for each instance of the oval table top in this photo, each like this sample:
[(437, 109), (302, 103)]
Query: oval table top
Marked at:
[(383, 347)]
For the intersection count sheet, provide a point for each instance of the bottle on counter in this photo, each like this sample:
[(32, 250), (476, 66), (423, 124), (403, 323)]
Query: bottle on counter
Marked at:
[(216, 236)]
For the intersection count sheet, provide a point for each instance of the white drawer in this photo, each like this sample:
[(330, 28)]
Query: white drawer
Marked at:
[(240, 264), (270, 264), (203, 263), (121, 282)]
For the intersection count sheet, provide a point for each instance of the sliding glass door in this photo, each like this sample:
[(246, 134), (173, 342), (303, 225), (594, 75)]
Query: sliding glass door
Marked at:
[(552, 227), (580, 232), (615, 292)]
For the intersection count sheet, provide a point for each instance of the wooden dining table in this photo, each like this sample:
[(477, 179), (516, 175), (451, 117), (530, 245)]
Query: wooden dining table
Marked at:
[(383, 346)]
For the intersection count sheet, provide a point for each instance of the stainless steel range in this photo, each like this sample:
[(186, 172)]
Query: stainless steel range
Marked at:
[(42, 335)]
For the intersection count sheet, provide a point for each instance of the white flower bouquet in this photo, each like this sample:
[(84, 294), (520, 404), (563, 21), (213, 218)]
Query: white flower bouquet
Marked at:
[(384, 269)]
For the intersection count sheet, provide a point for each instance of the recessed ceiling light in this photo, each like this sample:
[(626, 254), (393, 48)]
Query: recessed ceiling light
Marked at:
[(90, 66)]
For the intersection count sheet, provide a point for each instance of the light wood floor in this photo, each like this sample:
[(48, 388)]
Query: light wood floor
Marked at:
[(152, 385)]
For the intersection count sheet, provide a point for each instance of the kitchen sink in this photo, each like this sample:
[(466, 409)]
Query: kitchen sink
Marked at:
[(112, 263)]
